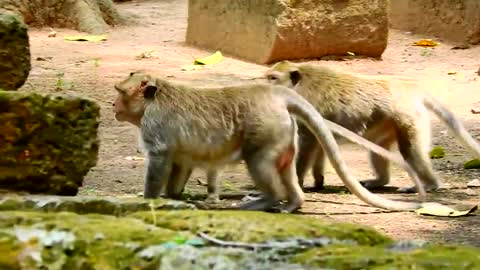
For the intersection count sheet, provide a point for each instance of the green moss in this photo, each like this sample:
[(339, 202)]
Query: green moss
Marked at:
[(49, 142), (472, 164), (104, 241), (8, 250), (437, 152), (87, 204), (356, 257), (255, 226)]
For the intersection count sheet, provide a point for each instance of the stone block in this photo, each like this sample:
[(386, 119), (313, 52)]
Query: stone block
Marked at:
[(453, 20), (14, 52), (272, 30), (47, 143)]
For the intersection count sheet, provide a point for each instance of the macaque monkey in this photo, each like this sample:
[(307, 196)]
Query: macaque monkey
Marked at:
[(374, 108), (183, 128)]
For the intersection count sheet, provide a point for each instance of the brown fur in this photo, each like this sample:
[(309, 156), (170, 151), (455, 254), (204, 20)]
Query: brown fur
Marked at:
[(183, 128), (374, 108)]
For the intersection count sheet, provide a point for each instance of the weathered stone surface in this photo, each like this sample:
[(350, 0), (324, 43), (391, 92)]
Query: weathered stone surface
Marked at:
[(453, 20), (48, 143), (87, 204), (272, 30), (93, 16), (14, 52), (171, 240)]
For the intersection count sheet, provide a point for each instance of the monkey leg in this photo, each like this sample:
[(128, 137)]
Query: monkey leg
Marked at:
[(380, 165), (212, 186), (307, 151), (318, 170), (414, 147), (159, 168), (262, 169), (178, 180), (295, 195)]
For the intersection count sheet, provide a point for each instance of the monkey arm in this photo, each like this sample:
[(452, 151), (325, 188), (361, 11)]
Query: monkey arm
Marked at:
[(159, 168)]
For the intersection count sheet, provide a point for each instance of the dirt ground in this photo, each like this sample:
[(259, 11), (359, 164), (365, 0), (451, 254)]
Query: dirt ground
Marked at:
[(91, 69)]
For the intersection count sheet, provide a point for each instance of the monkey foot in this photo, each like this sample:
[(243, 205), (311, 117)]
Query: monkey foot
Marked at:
[(259, 204), (413, 189), (374, 183), (313, 189), (214, 198)]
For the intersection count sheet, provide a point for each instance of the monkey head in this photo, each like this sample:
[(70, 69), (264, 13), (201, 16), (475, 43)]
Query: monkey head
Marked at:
[(283, 73), (129, 105)]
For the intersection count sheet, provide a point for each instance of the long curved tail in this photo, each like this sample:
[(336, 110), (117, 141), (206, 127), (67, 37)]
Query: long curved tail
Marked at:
[(453, 123), (307, 114)]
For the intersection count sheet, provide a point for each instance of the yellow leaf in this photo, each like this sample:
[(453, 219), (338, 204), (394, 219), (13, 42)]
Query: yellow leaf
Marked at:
[(451, 72), (350, 53), (425, 43), (443, 211), (209, 60), (86, 38)]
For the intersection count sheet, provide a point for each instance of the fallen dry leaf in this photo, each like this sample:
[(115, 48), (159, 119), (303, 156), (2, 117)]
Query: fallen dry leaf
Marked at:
[(425, 43), (443, 211)]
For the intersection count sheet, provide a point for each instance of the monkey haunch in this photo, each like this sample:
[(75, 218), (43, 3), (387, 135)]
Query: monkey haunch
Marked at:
[(183, 128), (374, 108)]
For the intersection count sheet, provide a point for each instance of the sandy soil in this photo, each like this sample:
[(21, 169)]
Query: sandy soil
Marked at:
[(91, 69)]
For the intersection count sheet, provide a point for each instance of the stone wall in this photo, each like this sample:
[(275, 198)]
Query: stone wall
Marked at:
[(454, 20), (271, 30)]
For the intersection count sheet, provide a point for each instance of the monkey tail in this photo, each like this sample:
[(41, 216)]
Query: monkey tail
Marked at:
[(453, 123), (307, 114)]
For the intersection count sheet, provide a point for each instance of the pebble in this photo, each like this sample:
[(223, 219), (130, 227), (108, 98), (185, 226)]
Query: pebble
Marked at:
[(474, 183)]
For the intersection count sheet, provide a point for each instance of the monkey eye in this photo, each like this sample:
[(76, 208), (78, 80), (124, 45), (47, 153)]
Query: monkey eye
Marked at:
[(271, 77)]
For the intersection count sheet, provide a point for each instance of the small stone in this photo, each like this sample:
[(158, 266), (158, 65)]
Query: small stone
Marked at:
[(52, 34), (475, 110), (99, 236), (474, 183)]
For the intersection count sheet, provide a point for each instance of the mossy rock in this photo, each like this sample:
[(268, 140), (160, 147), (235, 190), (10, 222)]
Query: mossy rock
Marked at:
[(87, 204), (14, 51), (360, 257), (231, 225), (169, 240), (437, 152), (49, 142)]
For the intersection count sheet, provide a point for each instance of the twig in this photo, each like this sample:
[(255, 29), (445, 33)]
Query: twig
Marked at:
[(232, 244), (295, 243)]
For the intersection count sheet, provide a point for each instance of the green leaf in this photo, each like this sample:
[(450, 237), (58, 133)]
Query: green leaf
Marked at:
[(472, 164)]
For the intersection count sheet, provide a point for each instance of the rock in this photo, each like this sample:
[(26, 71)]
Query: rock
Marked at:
[(456, 21), (48, 143), (171, 239), (474, 183), (271, 30), (92, 16), (14, 52), (87, 204)]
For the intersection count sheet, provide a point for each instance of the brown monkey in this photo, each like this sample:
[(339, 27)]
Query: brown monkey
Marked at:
[(374, 108), (183, 128)]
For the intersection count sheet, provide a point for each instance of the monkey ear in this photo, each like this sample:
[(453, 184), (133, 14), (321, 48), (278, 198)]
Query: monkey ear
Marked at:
[(295, 77), (149, 92)]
